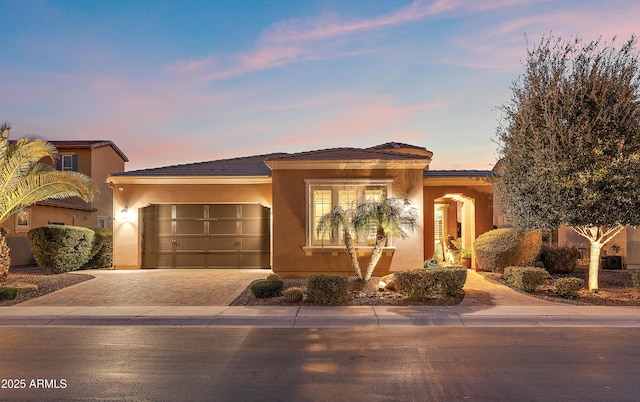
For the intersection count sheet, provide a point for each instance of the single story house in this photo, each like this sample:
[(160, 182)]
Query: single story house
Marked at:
[(262, 211)]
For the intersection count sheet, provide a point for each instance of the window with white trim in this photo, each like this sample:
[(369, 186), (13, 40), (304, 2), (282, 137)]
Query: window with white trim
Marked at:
[(68, 162), (324, 195)]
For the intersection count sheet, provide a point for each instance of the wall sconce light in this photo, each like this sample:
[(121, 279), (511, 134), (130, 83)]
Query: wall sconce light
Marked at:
[(124, 214)]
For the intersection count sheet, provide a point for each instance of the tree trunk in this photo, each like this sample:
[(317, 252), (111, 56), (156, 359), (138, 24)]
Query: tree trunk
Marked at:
[(594, 264), (381, 240), (598, 236), (348, 242), (5, 261)]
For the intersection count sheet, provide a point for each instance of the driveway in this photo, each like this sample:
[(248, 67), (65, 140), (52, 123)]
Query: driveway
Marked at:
[(154, 287)]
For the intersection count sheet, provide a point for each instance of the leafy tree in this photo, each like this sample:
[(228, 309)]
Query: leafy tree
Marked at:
[(570, 141), (25, 180)]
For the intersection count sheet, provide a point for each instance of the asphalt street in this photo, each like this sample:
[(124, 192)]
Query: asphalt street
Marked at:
[(143, 363)]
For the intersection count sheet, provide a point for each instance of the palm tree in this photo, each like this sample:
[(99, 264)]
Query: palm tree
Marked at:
[(389, 217), (341, 221), (24, 180)]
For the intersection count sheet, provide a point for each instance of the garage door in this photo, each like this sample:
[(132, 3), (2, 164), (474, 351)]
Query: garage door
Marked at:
[(205, 236)]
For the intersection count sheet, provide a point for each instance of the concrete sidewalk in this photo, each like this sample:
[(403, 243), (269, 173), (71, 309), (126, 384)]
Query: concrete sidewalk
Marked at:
[(324, 317)]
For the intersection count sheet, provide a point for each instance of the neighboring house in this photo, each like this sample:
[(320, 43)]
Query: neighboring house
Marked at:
[(262, 211), (96, 159)]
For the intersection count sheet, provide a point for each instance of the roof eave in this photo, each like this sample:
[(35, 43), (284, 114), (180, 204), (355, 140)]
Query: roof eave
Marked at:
[(189, 179)]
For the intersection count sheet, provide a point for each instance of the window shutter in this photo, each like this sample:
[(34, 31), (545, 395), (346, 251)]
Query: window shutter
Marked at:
[(59, 163), (74, 163)]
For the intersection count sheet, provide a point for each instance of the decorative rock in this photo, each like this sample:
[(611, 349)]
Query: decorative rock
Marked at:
[(389, 282)]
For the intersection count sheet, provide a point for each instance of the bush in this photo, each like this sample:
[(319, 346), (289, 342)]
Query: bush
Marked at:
[(102, 255), (559, 260), (635, 277), (568, 287), (8, 293), (525, 278), (422, 284), (293, 295), (265, 288), (59, 248), (327, 290), (500, 248)]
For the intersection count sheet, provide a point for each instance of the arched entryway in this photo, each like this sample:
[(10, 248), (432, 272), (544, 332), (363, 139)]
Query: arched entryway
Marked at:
[(453, 226)]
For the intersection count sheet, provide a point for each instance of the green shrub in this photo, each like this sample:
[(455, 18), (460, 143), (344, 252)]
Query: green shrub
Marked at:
[(568, 287), (525, 278), (59, 248), (327, 290), (635, 277), (264, 288), (8, 293), (102, 255), (421, 284), (293, 295), (500, 248), (559, 260)]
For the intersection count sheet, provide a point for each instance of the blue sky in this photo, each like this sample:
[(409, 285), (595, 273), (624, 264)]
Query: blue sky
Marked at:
[(185, 81)]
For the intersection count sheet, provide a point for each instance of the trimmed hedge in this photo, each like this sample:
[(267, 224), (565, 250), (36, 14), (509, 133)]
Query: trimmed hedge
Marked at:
[(525, 278), (8, 293), (422, 284), (103, 255), (327, 290), (59, 248), (500, 248), (568, 287), (264, 288), (559, 259)]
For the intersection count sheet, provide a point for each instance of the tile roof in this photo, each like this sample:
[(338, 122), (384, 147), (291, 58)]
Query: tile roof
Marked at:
[(397, 145), (243, 166), (88, 144), (71, 203), (346, 154)]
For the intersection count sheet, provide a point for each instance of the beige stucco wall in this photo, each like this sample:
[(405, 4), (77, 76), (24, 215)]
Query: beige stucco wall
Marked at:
[(127, 251), (290, 259)]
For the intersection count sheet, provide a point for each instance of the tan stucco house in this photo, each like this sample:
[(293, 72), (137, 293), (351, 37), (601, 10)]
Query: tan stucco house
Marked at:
[(262, 211), (94, 158)]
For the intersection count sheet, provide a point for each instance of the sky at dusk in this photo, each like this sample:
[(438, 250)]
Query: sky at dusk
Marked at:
[(174, 82)]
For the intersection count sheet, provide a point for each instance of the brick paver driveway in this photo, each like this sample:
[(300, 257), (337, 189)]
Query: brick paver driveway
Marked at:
[(161, 287)]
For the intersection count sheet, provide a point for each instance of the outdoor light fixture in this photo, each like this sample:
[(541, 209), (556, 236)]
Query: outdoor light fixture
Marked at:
[(124, 214)]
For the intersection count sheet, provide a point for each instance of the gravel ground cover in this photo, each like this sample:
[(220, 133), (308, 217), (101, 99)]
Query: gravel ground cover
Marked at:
[(45, 282), (615, 289)]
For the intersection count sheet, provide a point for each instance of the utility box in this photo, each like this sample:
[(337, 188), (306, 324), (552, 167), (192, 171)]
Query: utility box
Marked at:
[(611, 262)]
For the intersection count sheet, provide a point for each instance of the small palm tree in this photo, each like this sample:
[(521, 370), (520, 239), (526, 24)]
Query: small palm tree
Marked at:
[(389, 217), (24, 180), (340, 221)]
